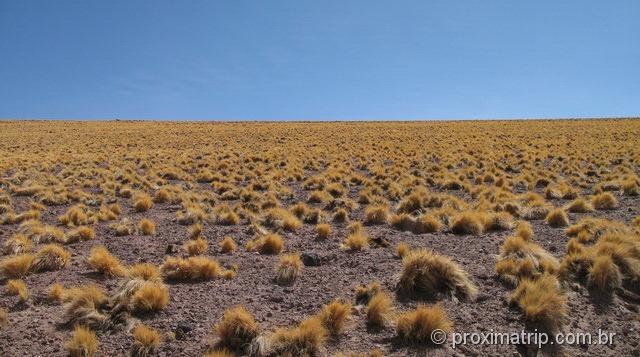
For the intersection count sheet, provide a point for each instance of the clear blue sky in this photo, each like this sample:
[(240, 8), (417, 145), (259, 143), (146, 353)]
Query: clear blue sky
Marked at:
[(303, 59)]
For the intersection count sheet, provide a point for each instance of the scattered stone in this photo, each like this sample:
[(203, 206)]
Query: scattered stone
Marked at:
[(311, 259)]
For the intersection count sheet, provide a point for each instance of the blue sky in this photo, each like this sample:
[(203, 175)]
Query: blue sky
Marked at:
[(303, 59)]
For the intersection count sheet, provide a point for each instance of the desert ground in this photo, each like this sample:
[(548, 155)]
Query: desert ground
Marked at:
[(317, 239)]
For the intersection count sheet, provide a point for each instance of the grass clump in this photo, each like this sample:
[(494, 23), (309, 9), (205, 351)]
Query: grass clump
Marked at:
[(323, 230), (427, 273), (378, 309), (334, 316), (288, 268), (467, 223), (190, 269), (269, 244), (16, 287), (197, 246), (146, 340), (228, 245), (419, 324), (147, 227), (83, 343), (105, 263), (16, 266), (541, 301), (237, 330), (557, 218), (378, 214), (50, 257), (605, 201)]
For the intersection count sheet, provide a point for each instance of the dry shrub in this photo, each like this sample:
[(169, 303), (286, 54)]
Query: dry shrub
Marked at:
[(376, 214), (402, 249), (520, 258), (229, 274), (16, 287), (306, 339), (147, 227), (580, 205), (85, 304), (81, 234), (16, 266), (402, 221), (288, 268), (541, 301), (426, 223), (467, 223), (144, 271), (341, 215), (190, 269), (378, 309), (557, 218), (500, 221), (334, 316), (150, 296), (524, 230), (604, 273), (146, 340), (269, 244), (48, 234), (356, 241), (75, 216), (196, 246), (50, 257), (280, 218), (55, 293), (17, 244), (142, 202), (427, 273), (364, 293), (419, 324), (162, 196), (323, 230), (630, 188), (83, 343), (195, 230), (604, 201), (227, 245), (237, 330), (105, 263)]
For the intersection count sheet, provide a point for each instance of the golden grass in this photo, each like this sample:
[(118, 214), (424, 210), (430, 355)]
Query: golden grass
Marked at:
[(105, 263), (305, 339), (83, 343), (427, 273), (356, 241), (228, 245), (237, 329), (147, 227), (4, 318), (402, 249), (269, 244), (149, 297), (604, 201), (323, 230), (146, 340), (334, 316), (16, 287), (144, 271), (417, 325), (16, 266), (288, 268), (190, 269), (378, 309), (557, 218), (541, 301), (197, 246), (50, 257)]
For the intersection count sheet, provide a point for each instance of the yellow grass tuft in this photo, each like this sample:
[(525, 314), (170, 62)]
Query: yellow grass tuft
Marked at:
[(228, 245), (419, 324), (83, 343), (378, 309), (190, 269), (604, 201), (146, 340), (305, 339), (427, 273), (144, 271), (237, 330), (334, 316), (604, 274), (18, 288), (105, 263), (467, 223), (17, 244), (541, 301), (323, 230), (524, 230), (16, 266), (81, 234), (557, 218), (142, 202), (288, 268), (376, 214), (51, 257), (580, 205), (147, 227), (356, 241), (196, 246), (151, 296), (269, 244), (55, 293), (402, 249)]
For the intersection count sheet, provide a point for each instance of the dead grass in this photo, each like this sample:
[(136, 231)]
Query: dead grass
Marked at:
[(605, 201), (16, 287), (288, 268), (147, 227), (334, 316), (16, 266), (427, 273), (228, 245), (105, 263), (557, 218), (237, 329), (196, 246), (418, 325), (50, 257), (83, 343), (541, 301), (378, 310), (146, 340), (190, 269)]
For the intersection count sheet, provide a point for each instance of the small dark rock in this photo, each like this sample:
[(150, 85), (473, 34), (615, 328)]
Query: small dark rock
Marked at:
[(311, 259), (482, 297), (182, 330), (169, 249)]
